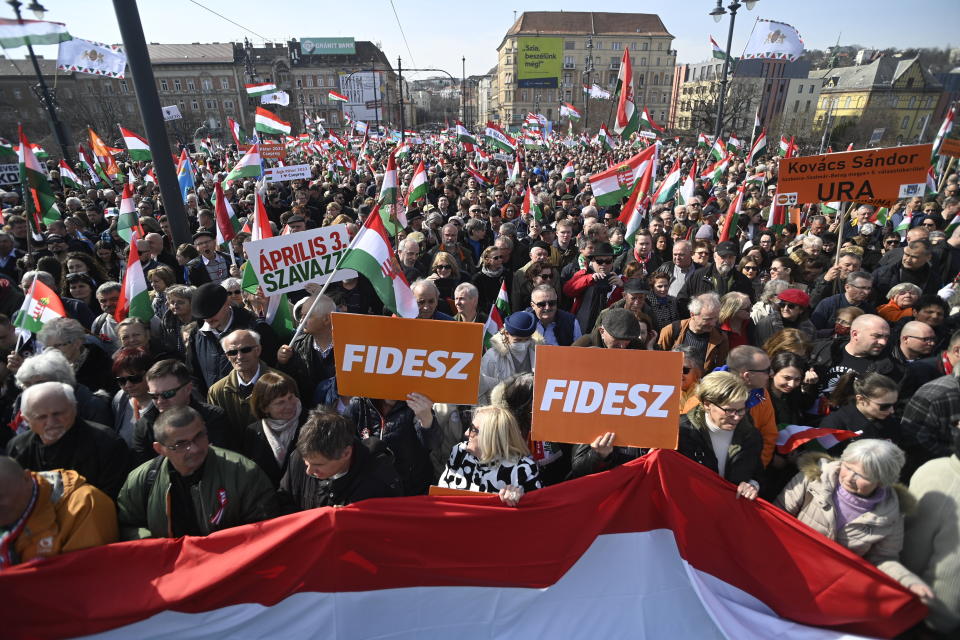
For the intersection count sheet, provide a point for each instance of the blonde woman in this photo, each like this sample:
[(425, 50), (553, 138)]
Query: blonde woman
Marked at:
[(493, 459)]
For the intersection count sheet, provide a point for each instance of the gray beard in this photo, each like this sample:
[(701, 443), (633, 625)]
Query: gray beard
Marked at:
[(724, 269)]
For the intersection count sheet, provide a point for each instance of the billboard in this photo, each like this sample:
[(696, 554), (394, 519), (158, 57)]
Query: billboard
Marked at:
[(327, 46), (364, 91), (539, 62)]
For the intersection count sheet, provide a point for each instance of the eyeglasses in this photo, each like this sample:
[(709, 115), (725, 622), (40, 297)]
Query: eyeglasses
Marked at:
[(789, 306), (604, 261), (235, 292), (186, 445), (748, 268), (929, 340), (891, 243), (854, 473), (546, 276), (767, 371), (232, 353), (545, 304), (731, 412), (882, 406), (169, 393), (499, 258), (472, 430), (137, 379)]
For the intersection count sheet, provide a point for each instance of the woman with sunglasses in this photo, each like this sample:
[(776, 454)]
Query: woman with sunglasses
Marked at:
[(867, 403), (719, 434), (750, 267), (791, 310), (490, 276), (130, 366), (445, 273), (856, 502)]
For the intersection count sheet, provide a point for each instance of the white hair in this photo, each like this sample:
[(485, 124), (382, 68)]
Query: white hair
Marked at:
[(710, 300), (881, 459), (41, 389), (253, 334)]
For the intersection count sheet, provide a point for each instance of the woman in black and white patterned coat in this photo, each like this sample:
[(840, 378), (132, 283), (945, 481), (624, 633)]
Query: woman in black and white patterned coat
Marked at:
[(494, 458)]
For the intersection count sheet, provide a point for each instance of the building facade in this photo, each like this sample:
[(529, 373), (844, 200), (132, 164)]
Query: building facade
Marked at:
[(586, 48)]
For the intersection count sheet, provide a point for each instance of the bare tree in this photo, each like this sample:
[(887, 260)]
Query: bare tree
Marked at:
[(739, 108)]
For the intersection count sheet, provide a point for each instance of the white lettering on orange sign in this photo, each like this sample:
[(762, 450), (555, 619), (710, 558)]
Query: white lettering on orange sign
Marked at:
[(408, 362), (612, 399)]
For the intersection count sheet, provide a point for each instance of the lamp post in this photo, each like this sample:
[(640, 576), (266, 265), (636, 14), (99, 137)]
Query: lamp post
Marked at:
[(589, 71), (43, 92), (717, 14)]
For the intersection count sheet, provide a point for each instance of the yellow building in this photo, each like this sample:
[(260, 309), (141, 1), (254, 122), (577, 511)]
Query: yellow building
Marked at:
[(890, 98), (546, 57)]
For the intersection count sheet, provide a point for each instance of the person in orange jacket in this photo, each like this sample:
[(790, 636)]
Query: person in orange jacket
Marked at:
[(752, 365), (48, 513)]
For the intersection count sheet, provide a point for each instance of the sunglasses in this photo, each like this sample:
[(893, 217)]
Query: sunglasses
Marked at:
[(169, 393), (687, 370), (749, 268), (122, 380), (545, 304), (788, 305), (546, 276), (442, 267), (604, 261), (884, 406), (235, 292), (232, 353)]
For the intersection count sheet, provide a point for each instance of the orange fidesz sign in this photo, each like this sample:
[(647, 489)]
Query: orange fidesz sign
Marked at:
[(382, 357), (870, 176), (580, 394)]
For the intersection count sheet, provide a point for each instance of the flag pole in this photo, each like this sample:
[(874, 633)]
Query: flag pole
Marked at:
[(946, 172)]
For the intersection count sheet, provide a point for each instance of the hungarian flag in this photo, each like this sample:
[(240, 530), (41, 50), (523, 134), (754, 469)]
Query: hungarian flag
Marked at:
[(87, 162), (227, 223), (758, 149), (515, 171), (463, 135), (239, 137), (667, 190), (134, 299), (905, 224), (258, 89), (662, 542), (715, 171), (249, 166), (128, 220), (603, 136), (337, 97), (137, 147), (647, 121), (499, 311), (38, 151), (787, 147), (258, 231), (792, 436), (614, 184), (716, 51), (38, 199), (67, 177), (717, 151), (568, 171), (279, 316), (19, 33), (931, 181), (627, 120), (419, 185), (636, 205), (530, 206), (685, 193), (476, 175), (703, 141), (733, 144), (372, 255), (731, 221), (185, 174), (103, 155), (567, 110), (388, 188), (499, 139), (40, 306), (268, 122), (944, 131)]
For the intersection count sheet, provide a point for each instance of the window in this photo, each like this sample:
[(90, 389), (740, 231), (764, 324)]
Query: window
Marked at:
[(228, 105), (183, 106), (799, 88), (176, 85), (569, 44), (644, 46), (509, 59), (807, 107), (811, 88), (163, 86), (659, 46), (309, 82), (225, 83), (311, 99), (191, 85), (195, 105), (108, 88), (912, 102), (658, 59), (846, 102), (211, 104), (909, 82), (524, 96), (643, 62), (335, 118), (905, 122), (568, 60), (796, 106), (299, 83), (130, 108), (123, 87), (616, 46), (206, 84), (892, 102)]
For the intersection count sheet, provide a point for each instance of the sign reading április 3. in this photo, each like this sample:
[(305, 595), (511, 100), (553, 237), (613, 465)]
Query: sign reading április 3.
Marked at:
[(290, 262)]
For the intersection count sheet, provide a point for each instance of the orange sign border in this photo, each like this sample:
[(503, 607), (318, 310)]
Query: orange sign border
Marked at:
[(629, 366), (950, 148)]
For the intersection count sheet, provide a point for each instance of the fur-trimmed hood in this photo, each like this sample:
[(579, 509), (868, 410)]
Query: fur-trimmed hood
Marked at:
[(817, 466), (498, 342)]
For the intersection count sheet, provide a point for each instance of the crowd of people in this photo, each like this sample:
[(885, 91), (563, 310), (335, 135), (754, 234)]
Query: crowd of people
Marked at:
[(205, 417)]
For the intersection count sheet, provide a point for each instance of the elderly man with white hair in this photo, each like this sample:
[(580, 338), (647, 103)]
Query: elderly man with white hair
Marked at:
[(466, 298), (428, 296), (61, 439)]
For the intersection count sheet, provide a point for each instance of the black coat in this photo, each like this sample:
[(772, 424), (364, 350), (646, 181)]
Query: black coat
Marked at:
[(254, 445), (92, 450), (706, 279), (197, 273), (849, 417), (371, 475), (743, 456), (207, 360)]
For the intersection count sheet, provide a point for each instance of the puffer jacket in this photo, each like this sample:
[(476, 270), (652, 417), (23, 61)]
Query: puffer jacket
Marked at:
[(497, 363), (876, 536)]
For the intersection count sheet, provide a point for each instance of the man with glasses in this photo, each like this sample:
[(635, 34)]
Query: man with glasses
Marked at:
[(170, 386), (831, 281), (699, 332), (558, 327), (522, 285), (914, 267), (856, 293), (232, 392), (752, 366), (719, 276), (60, 439), (191, 488), (917, 340), (591, 287)]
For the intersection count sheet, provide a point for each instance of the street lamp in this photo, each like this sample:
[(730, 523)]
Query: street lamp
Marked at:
[(717, 14), (43, 91)]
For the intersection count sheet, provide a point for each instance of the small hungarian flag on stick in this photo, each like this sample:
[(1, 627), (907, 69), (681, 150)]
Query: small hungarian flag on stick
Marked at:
[(758, 149), (137, 147), (67, 177), (39, 307), (498, 313), (418, 185), (530, 205), (731, 222), (337, 97), (134, 301), (38, 199), (268, 122), (260, 89)]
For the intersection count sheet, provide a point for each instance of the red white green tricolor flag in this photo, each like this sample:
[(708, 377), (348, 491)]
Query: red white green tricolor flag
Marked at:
[(38, 199), (137, 147), (464, 135), (614, 184), (40, 306), (628, 119), (656, 532), (685, 193), (498, 313), (568, 170), (667, 190), (636, 206), (731, 222), (128, 220), (603, 136), (337, 97), (258, 89), (19, 33), (499, 139), (530, 205), (134, 299), (249, 165), (758, 149), (227, 223), (419, 186), (647, 121), (268, 122), (944, 131), (373, 256), (717, 151), (68, 177), (716, 51)]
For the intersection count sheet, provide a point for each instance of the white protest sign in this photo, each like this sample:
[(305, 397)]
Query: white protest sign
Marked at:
[(283, 174), (290, 262), (171, 113), (9, 173)]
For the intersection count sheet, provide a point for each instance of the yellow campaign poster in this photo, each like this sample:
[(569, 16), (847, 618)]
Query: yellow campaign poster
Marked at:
[(539, 61)]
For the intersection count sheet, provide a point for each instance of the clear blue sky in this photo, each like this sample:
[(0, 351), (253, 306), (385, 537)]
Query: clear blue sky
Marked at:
[(440, 32)]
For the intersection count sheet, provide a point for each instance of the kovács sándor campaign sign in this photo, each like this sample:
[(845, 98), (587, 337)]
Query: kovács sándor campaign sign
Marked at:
[(289, 262)]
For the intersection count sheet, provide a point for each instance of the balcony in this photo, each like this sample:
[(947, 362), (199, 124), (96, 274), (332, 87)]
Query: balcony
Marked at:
[(569, 65), (614, 66)]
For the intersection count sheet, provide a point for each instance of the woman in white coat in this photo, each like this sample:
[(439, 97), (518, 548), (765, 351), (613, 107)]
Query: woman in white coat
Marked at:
[(512, 351)]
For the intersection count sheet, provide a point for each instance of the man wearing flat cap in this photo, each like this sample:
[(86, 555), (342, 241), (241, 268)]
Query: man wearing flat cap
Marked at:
[(211, 265), (617, 329), (721, 276), (217, 318)]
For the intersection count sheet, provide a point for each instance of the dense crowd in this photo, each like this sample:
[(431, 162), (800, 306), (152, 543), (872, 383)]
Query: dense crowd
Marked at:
[(208, 416)]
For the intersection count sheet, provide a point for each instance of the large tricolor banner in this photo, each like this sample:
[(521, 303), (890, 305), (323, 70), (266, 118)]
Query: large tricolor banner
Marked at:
[(661, 547)]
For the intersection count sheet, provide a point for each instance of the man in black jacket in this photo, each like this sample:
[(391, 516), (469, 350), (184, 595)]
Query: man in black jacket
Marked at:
[(211, 265), (59, 439), (331, 467), (721, 276), (914, 267)]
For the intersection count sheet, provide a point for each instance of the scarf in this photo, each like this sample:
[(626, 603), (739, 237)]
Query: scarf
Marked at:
[(9, 537), (491, 273), (279, 433)]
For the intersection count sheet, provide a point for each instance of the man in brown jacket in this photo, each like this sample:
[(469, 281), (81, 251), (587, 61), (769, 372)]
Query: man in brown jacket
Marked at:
[(699, 332)]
